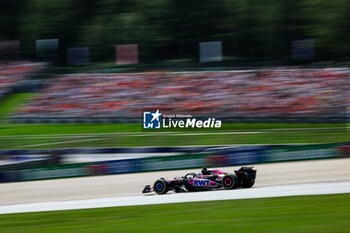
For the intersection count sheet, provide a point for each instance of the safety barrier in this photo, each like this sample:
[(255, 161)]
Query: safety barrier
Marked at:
[(206, 156)]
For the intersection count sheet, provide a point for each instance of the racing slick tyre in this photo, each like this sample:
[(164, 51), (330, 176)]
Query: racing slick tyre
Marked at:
[(229, 181), (248, 183), (161, 186)]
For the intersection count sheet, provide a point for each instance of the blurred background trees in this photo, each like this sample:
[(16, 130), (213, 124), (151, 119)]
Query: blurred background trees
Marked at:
[(172, 29)]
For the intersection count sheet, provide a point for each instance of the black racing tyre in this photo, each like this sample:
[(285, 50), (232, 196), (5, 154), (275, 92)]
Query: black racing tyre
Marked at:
[(229, 181), (248, 183), (161, 186)]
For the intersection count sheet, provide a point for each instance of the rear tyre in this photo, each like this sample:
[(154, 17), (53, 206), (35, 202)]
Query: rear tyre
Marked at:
[(161, 186), (229, 181), (248, 183)]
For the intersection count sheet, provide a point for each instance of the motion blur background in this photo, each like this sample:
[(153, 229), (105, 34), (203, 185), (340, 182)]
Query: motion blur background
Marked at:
[(172, 29), (279, 49), (77, 74)]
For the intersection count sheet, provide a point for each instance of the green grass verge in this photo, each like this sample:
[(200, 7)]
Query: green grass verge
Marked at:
[(268, 133), (12, 137), (9, 103), (44, 129), (320, 213)]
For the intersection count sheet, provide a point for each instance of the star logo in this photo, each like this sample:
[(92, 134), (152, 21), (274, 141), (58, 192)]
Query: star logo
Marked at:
[(156, 115), (151, 120)]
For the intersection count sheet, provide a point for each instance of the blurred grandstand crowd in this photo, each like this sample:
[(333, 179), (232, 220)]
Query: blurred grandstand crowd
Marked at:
[(263, 93), (12, 72)]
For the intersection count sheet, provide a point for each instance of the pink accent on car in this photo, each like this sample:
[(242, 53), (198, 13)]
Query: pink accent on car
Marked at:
[(212, 183), (175, 179), (191, 182), (228, 182), (217, 172)]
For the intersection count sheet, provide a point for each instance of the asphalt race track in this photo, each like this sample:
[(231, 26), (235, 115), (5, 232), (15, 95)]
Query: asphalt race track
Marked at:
[(262, 192), (275, 179)]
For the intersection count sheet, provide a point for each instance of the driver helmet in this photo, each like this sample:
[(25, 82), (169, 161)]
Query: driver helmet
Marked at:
[(204, 170)]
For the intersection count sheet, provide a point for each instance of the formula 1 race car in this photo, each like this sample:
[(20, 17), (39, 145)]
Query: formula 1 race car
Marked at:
[(205, 181)]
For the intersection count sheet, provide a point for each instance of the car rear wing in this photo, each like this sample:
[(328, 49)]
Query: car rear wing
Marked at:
[(246, 172)]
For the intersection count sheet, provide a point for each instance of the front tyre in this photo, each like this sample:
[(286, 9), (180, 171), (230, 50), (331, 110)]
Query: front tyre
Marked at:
[(229, 181), (161, 186)]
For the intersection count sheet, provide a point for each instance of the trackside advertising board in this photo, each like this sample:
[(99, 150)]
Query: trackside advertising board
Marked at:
[(120, 166), (174, 162), (60, 171), (236, 156), (300, 152), (216, 158)]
